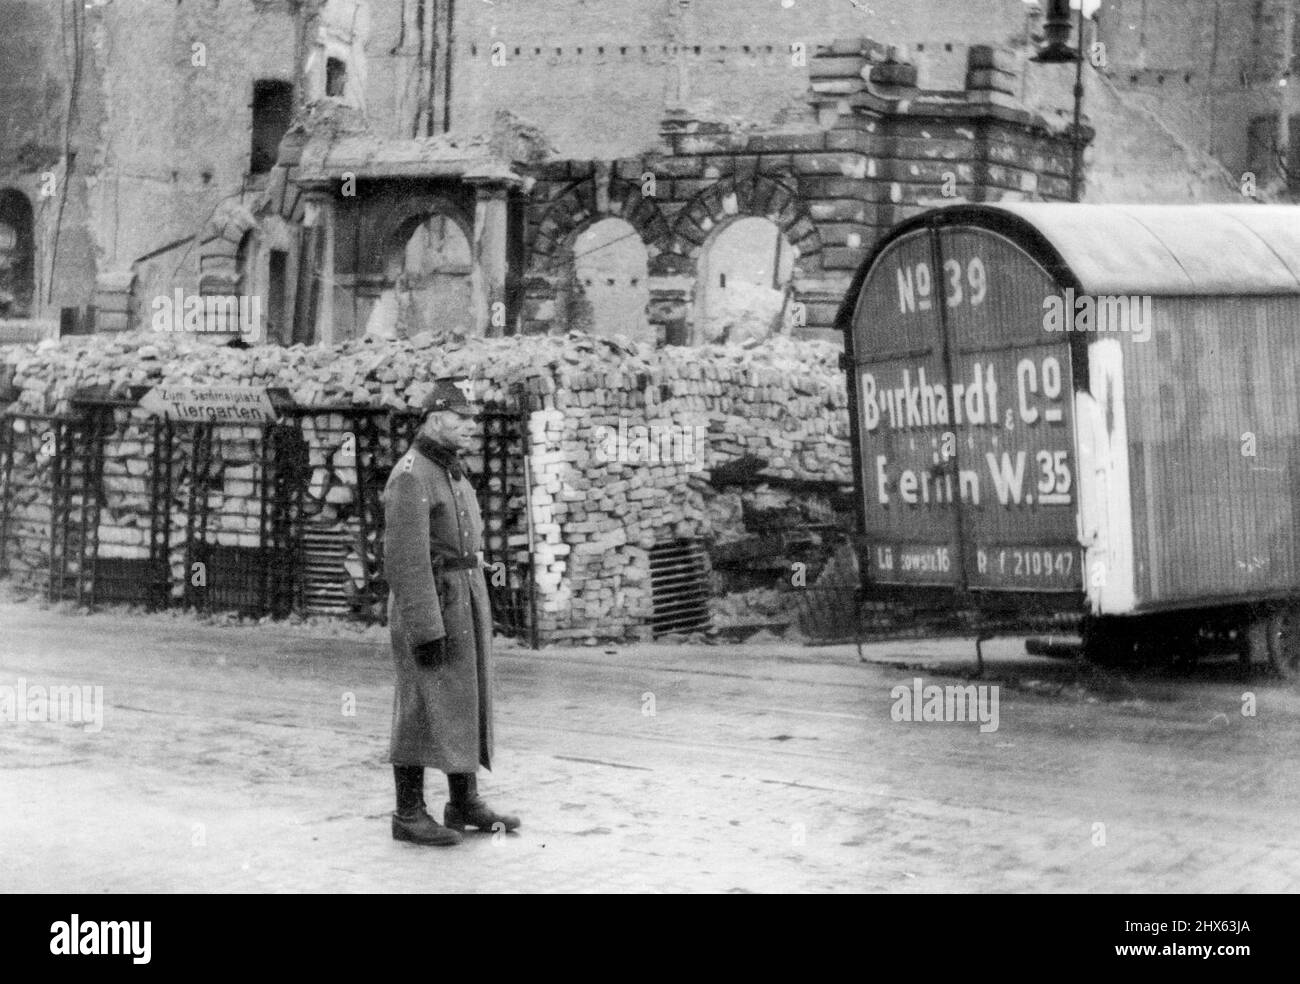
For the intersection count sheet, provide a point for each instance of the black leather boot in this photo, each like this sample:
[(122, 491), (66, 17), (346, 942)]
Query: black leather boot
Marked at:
[(466, 809), (412, 822), (423, 829)]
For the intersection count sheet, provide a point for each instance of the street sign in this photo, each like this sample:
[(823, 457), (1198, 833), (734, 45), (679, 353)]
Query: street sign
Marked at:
[(210, 404)]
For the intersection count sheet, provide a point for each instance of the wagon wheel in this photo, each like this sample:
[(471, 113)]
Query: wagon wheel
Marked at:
[(1110, 640), (1284, 642)]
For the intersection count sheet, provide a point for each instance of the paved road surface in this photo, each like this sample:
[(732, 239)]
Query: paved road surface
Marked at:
[(227, 762)]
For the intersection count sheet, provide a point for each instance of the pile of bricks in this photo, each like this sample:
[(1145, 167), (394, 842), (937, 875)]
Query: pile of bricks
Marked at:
[(623, 449), (621, 440), (26, 548), (122, 501)]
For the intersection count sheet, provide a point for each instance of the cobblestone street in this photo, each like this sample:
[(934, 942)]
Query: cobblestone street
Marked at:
[(226, 762)]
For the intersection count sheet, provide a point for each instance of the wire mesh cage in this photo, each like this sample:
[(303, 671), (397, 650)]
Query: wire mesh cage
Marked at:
[(108, 504), (829, 610)]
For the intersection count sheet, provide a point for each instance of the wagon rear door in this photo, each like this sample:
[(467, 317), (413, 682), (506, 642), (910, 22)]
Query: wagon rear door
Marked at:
[(965, 418), (911, 523)]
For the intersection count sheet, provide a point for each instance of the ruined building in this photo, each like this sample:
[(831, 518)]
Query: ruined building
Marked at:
[(671, 170)]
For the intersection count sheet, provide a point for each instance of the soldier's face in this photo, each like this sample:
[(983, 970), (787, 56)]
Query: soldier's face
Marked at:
[(450, 427)]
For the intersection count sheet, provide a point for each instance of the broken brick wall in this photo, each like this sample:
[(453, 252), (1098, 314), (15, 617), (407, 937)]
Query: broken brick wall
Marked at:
[(599, 75), (162, 124), (35, 97), (880, 154), (160, 136)]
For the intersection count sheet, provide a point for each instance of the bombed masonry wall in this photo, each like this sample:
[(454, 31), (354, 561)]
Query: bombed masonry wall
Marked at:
[(810, 195), (880, 151), (622, 446), (141, 176)]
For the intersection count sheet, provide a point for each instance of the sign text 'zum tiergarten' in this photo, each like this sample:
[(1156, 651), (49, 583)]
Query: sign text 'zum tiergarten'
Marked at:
[(210, 404), (964, 418)]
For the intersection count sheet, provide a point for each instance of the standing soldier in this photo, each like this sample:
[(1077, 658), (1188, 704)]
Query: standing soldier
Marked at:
[(441, 625)]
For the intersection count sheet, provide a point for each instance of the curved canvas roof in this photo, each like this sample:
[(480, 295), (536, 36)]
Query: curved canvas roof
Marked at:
[(1170, 249)]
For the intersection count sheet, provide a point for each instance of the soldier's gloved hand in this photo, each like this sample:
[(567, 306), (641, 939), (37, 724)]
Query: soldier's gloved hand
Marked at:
[(431, 654)]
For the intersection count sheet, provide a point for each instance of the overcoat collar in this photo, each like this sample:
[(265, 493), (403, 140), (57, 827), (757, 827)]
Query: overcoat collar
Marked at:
[(440, 454)]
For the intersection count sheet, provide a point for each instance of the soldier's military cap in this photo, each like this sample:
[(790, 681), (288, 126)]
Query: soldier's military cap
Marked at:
[(451, 393)]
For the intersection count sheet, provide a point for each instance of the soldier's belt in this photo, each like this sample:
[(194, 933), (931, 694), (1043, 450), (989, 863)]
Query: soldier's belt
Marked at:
[(457, 563)]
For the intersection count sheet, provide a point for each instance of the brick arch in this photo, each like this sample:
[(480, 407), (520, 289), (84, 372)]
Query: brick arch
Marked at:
[(750, 196), (281, 196), (397, 222), (554, 228), (219, 248), (580, 207)]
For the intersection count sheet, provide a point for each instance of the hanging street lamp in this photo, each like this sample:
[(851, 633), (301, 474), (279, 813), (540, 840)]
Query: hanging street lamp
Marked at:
[(1057, 51)]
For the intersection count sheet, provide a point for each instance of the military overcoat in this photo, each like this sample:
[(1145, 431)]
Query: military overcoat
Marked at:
[(442, 716)]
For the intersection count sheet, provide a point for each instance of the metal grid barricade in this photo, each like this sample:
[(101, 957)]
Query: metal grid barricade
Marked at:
[(110, 505)]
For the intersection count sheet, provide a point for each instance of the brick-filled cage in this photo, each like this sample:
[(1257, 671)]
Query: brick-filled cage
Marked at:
[(108, 504), (590, 455), (44, 516)]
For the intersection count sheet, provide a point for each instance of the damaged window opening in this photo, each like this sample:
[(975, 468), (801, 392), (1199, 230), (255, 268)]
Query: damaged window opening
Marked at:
[(336, 77), (17, 254), (746, 268), (1266, 156), (610, 264), (272, 114), (429, 273)]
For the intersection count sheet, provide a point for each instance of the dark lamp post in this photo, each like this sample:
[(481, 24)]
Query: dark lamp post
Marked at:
[(1056, 28)]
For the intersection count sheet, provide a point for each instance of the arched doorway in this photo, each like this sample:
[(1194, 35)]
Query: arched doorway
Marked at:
[(17, 255), (611, 293), (743, 283), (430, 269)]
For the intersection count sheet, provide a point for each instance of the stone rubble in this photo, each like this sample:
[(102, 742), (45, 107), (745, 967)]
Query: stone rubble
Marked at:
[(621, 441)]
